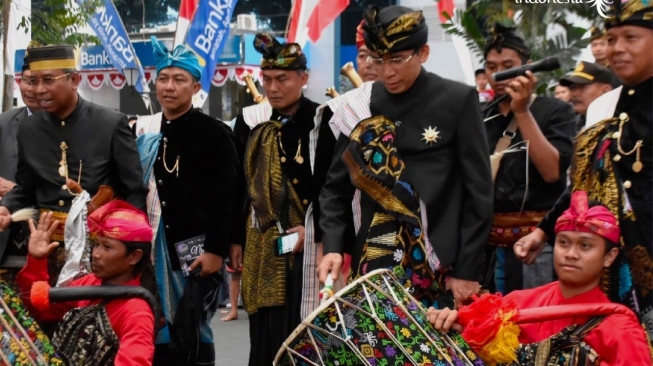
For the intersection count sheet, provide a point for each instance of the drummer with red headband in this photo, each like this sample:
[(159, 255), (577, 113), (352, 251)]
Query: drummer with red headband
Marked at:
[(585, 246), (99, 330)]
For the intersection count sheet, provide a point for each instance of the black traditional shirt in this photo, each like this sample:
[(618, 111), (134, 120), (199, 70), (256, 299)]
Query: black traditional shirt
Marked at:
[(296, 129), (97, 137), (636, 103), (512, 187), (198, 197), (451, 173)]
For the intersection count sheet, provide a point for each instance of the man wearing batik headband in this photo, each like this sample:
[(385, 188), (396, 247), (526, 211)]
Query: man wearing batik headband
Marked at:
[(530, 140), (191, 168), (411, 167), (286, 158), (598, 46), (586, 243), (124, 328), (366, 72), (613, 160), (69, 139)]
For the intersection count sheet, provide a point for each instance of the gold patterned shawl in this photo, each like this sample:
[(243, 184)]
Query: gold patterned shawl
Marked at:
[(264, 273)]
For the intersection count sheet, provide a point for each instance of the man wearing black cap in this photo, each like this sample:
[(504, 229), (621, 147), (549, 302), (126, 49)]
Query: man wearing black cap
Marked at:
[(531, 142), (613, 161), (9, 123), (409, 185), (286, 158), (587, 82), (69, 139)]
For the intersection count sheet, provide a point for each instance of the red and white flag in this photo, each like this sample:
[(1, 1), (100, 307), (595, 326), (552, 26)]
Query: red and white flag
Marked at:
[(445, 6), (186, 11), (310, 17)]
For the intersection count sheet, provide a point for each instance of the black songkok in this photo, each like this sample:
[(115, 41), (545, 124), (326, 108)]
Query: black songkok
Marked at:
[(634, 12), (394, 29), (279, 56), (52, 58), (26, 59), (502, 36)]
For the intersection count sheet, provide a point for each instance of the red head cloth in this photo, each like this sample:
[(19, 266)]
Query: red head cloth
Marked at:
[(360, 41), (122, 221), (597, 220)]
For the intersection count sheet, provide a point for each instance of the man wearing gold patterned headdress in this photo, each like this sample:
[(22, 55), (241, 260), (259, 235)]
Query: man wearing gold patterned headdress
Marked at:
[(613, 161), (69, 138), (412, 157), (286, 158)]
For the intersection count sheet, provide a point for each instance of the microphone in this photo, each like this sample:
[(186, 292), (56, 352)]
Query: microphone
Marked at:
[(546, 64)]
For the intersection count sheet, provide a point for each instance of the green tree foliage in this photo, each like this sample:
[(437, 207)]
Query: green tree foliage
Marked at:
[(53, 22), (532, 21)]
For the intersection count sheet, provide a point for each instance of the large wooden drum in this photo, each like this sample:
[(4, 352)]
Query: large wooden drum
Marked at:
[(373, 321)]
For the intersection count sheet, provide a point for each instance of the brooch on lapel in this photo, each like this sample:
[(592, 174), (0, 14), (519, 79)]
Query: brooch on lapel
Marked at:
[(431, 135)]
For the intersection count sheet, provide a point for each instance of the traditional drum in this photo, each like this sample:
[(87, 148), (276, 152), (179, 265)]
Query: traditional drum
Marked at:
[(373, 321), (23, 342)]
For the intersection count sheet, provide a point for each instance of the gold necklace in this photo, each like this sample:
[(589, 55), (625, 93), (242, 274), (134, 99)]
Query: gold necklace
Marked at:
[(637, 165), (63, 168), (298, 157), (175, 167)]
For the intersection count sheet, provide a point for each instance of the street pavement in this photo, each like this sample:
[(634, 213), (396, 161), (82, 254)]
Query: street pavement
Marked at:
[(231, 339)]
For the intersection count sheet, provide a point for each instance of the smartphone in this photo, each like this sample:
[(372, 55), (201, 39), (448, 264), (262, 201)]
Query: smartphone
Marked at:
[(286, 243)]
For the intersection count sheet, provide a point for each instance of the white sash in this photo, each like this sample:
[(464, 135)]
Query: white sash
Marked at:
[(602, 107)]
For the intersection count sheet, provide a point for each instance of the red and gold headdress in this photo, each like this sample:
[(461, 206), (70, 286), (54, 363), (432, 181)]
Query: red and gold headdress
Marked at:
[(580, 217), (122, 221)]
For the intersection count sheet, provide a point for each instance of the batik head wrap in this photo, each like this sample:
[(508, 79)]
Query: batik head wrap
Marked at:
[(182, 57), (633, 12), (360, 38), (580, 217), (394, 29), (502, 36), (596, 33), (121, 221), (277, 56)]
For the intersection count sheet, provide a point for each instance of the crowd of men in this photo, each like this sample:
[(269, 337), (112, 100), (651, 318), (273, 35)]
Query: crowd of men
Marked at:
[(405, 172)]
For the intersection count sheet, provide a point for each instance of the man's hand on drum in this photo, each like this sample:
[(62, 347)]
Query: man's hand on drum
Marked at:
[(330, 263), (530, 246), (39, 245), (5, 218), (444, 319), (462, 289)]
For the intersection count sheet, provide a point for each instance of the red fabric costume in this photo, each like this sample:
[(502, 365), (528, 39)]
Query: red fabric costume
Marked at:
[(618, 339), (131, 319)]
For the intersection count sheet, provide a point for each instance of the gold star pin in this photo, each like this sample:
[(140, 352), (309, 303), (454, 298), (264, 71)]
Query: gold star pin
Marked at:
[(431, 135)]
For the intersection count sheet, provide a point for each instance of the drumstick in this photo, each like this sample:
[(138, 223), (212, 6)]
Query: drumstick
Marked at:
[(327, 290), (11, 332), (27, 338)]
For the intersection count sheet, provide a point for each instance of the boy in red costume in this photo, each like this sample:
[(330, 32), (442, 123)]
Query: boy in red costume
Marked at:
[(584, 246), (99, 332)]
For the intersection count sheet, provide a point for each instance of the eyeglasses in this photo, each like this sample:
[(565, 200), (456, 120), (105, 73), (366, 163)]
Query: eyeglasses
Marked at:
[(394, 62), (47, 81)]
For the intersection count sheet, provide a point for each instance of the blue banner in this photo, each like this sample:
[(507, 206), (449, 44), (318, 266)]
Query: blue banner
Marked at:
[(207, 35), (109, 29)]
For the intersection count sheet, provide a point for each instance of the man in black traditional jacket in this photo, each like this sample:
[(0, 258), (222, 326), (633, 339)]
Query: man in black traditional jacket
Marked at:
[(530, 138), (69, 138), (286, 158), (191, 169), (613, 161), (414, 146)]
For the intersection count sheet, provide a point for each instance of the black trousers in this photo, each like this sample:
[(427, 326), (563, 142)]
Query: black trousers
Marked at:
[(270, 327), (164, 355)]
